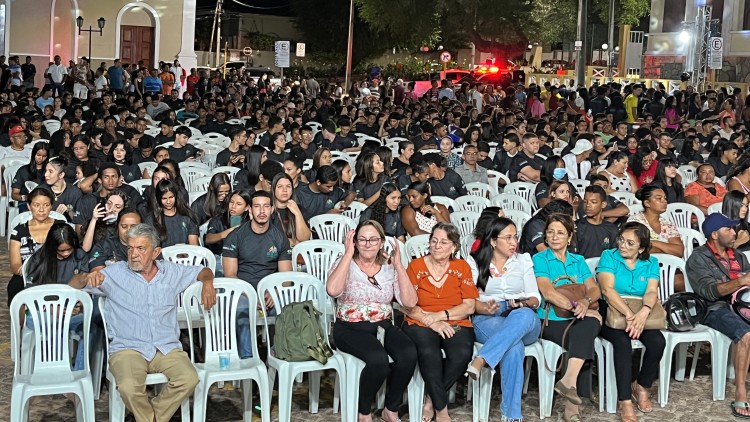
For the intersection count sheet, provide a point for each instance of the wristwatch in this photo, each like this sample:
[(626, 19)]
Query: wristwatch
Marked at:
[(589, 300)]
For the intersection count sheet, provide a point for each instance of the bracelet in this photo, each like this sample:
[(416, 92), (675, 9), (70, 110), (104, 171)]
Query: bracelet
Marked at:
[(650, 308), (447, 315)]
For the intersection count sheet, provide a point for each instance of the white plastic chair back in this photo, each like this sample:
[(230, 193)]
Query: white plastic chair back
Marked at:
[(510, 201), (682, 214), (318, 256), (50, 306), (200, 185), (478, 189), (668, 266), (448, 202), (389, 248), (494, 178), (580, 185), (720, 180), (520, 218), (140, 185), (52, 125), (191, 173), (190, 255), (627, 198), (148, 165), (523, 189), (13, 161), (472, 203), (418, 246), (635, 208), (354, 210), (688, 174), (466, 243), (307, 164), (213, 135), (230, 171), (30, 186), (465, 221), (289, 287), (689, 236), (592, 263), (193, 196), (193, 164), (331, 226), (714, 208)]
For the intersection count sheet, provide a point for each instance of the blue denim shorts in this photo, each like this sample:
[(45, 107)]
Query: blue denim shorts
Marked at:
[(725, 321)]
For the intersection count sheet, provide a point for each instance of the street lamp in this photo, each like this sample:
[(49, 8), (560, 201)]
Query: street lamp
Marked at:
[(99, 22), (605, 46)]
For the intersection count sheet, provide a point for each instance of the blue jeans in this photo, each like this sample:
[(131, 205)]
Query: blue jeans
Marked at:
[(504, 339), (244, 339), (76, 328)]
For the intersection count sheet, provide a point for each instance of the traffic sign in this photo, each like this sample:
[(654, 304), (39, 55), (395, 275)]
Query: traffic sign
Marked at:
[(445, 57), (715, 52), (578, 45), (300, 49), (247, 51), (282, 53)]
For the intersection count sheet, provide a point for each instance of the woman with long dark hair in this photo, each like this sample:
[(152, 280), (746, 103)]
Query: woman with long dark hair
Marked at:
[(505, 319), (65, 194), (214, 201), (59, 144), (642, 166), (386, 210), (32, 172), (287, 212), (171, 216), (345, 173), (103, 218), (422, 215), (691, 152), (321, 157), (120, 154), (553, 168), (735, 206), (668, 180), (370, 178), (219, 227), (249, 176)]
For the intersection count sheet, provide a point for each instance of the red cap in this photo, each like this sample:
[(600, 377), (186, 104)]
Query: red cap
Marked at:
[(15, 129)]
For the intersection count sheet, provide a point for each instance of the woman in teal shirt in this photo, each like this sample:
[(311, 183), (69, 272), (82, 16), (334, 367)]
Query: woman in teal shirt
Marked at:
[(549, 265), (629, 270)]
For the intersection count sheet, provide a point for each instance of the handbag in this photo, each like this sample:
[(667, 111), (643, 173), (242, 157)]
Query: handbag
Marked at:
[(657, 319), (575, 292)]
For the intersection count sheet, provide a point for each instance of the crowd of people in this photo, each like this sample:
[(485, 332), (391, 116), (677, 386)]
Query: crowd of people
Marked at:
[(304, 148)]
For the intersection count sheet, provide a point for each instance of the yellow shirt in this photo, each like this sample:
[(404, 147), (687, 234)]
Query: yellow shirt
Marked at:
[(631, 103)]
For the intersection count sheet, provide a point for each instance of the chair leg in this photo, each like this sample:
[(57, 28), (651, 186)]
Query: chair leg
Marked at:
[(681, 361), (416, 396), (719, 351), (314, 391), (665, 369), (696, 356), (247, 400), (286, 384)]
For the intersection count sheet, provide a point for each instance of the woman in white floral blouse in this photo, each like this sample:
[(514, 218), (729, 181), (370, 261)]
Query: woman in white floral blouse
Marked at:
[(365, 281)]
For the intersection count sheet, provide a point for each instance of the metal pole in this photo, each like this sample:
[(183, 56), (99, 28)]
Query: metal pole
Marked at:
[(91, 29), (218, 33), (349, 46), (611, 38), (213, 31), (581, 36)]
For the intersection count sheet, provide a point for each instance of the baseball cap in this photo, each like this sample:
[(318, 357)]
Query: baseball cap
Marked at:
[(15, 129), (717, 221), (582, 145)]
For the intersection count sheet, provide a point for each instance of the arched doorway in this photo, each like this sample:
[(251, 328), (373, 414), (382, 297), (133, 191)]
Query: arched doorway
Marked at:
[(138, 34), (63, 35)]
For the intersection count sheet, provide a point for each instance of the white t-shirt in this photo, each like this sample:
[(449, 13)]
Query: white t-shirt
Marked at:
[(57, 72), (576, 170), (476, 98), (9, 152), (101, 84)]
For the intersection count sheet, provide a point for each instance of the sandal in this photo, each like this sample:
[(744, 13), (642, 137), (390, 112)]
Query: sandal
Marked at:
[(739, 404), (643, 404), (626, 412), (472, 371), (568, 392), (425, 412)]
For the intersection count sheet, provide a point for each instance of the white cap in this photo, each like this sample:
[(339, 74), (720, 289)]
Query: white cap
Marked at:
[(582, 145)]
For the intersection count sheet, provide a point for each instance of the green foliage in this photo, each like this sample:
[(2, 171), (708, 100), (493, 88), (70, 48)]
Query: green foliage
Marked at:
[(553, 21), (261, 41)]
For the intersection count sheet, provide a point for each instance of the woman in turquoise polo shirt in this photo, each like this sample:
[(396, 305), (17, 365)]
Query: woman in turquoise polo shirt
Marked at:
[(629, 270), (577, 334)]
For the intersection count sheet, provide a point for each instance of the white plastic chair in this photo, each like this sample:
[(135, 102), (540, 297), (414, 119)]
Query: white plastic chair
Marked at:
[(520, 218), (116, 405), (201, 184), (7, 204), (510, 201), (191, 173), (494, 177), (221, 337), (331, 226), (688, 174), (635, 208), (720, 344), (627, 198), (682, 214), (147, 165), (194, 164), (190, 255), (285, 288), (388, 248), (52, 125), (354, 210), (318, 256), (553, 352), (580, 185), (480, 189), (472, 203), (689, 236), (524, 190), (465, 221), (230, 171), (50, 307), (418, 246), (713, 208), (448, 202), (140, 185)]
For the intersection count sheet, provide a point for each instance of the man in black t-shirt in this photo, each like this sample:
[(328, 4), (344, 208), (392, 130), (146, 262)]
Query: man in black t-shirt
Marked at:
[(322, 195), (181, 150), (425, 139), (726, 160), (594, 234), (526, 166), (443, 181), (306, 148)]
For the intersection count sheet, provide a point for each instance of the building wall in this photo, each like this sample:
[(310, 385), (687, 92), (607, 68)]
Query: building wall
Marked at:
[(273, 25), (45, 28)]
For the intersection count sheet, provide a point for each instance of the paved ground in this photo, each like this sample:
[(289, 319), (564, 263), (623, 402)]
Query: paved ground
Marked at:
[(690, 401)]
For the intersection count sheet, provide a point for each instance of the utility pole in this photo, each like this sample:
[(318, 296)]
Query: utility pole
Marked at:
[(611, 38), (349, 47), (219, 7), (581, 36)]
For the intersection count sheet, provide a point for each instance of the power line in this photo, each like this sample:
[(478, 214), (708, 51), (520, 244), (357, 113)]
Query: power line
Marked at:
[(261, 7)]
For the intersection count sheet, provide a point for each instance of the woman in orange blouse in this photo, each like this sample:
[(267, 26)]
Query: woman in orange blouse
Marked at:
[(440, 321)]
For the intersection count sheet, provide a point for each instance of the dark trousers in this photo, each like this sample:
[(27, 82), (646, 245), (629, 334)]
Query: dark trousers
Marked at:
[(440, 374), (15, 285), (360, 340), (621, 345), (579, 342)]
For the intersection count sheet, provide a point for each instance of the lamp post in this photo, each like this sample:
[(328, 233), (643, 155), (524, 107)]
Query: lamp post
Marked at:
[(99, 22)]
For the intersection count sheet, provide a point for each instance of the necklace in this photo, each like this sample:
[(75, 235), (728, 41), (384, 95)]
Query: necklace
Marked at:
[(437, 283), (57, 195)]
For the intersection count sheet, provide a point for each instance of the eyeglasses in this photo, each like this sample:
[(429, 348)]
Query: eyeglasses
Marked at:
[(443, 243), (629, 243), (509, 238), (367, 242), (470, 154), (374, 282), (551, 234)]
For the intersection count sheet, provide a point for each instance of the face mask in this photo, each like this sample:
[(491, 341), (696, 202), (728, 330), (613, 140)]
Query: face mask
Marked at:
[(235, 220), (559, 173)]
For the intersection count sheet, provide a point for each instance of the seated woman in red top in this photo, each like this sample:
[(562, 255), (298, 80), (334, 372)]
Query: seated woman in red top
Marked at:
[(642, 167), (440, 322)]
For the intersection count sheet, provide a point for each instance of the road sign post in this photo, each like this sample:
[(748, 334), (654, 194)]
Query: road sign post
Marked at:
[(281, 60), (715, 53), (300, 49), (247, 51), (445, 57)]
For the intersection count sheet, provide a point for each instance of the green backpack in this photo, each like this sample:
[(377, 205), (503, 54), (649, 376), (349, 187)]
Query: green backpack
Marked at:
[(299, 336)]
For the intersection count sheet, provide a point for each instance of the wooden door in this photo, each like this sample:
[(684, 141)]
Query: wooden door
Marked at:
[(137, 43)]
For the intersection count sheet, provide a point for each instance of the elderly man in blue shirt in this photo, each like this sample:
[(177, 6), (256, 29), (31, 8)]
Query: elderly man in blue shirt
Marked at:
[(141, 315)]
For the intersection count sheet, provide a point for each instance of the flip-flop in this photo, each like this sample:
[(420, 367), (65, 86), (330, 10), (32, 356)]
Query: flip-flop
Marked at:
[(737, 404)]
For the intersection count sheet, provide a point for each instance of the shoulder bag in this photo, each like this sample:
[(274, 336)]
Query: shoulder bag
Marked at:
[(657, 319)]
